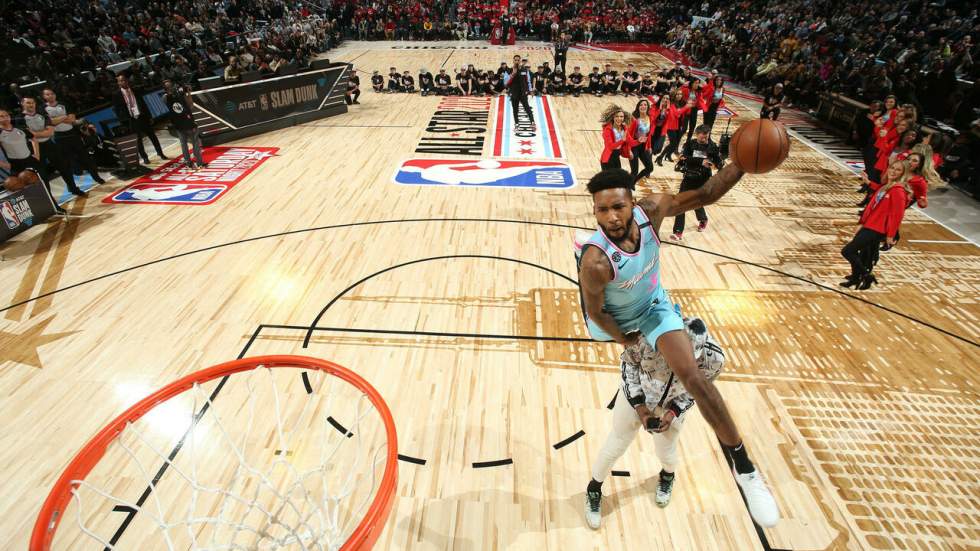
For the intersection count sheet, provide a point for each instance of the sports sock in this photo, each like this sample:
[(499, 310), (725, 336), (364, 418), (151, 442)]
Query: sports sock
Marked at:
[(595, 486), (740, 458)]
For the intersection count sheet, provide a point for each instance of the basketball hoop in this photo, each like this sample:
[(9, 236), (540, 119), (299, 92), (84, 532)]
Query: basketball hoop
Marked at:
[(265, 465)]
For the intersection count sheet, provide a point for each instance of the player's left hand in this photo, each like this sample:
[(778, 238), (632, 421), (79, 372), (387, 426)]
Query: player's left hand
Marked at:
[(665, 421)]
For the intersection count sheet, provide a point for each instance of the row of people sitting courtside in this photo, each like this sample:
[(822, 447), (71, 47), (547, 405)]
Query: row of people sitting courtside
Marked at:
[(471, 81)]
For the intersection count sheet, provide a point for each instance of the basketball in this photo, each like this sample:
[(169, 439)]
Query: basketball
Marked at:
[(29, 177), (760, 146), (14, 183)]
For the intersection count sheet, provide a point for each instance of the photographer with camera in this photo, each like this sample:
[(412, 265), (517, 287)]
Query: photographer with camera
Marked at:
[(699, 156)]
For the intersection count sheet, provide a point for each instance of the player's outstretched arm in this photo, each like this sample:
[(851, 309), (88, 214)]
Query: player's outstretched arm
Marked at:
[(659, 206)]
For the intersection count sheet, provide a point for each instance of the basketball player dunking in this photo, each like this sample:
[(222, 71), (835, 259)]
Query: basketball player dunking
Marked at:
[(619, 277)]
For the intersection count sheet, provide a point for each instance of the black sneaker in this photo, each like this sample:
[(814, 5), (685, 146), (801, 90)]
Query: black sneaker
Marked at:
[(664, 488)]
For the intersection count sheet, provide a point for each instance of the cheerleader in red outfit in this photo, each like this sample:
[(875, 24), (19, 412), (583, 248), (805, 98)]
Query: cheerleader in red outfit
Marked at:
[(659, 109), (895, 145), (891, 111), (615, 137), (879, 222), (922, 176), (695, 92), (887, 139), (713, 99), (640, 131), (677, 109), (899, 148)]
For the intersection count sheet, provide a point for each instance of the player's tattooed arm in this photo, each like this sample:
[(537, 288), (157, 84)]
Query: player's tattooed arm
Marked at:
[(661, 205)]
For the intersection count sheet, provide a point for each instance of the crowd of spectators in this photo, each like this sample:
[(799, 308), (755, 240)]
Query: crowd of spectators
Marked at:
[(864, 49), (916, 50), (77, 46)]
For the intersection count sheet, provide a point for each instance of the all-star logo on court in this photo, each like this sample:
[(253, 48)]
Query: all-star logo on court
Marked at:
[(459, 127)]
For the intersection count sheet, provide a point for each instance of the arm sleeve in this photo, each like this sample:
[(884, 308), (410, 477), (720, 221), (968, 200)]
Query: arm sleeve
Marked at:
[(631, 384), (919, 187), (688, 149), (714, 155), (607, 137), (896, 211)]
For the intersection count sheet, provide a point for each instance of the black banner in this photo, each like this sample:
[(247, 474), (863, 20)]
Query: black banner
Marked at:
[(238, 106), (839, 111), (22, 209)]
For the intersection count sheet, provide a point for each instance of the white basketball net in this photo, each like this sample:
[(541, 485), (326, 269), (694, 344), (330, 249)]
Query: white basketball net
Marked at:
[(261, 468)]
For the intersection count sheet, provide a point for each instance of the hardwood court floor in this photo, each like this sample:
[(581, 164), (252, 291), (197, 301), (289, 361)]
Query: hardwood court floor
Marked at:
[(862, 410)]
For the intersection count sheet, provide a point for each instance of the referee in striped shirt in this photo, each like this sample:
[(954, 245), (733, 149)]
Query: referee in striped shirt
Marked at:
[(43, 131), (68, 138)]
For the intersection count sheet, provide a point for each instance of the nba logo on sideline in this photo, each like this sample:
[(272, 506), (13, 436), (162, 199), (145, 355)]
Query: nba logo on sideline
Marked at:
[(486, 173), (9, 216), (170, 194)]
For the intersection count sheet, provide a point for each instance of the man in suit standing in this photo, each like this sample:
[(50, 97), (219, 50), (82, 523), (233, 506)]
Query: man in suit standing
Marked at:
[(561, 51), (132, 111)]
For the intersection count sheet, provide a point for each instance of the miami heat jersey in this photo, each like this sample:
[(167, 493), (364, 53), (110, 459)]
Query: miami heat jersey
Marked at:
[(635, 289)]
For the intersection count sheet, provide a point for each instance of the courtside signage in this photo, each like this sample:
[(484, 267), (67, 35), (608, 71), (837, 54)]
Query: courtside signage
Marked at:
[(485, 173), (524, 140), (175, 184)]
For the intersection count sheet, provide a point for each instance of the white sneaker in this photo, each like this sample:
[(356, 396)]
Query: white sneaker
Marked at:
[(664, 489), (593, 509), (762, 506)]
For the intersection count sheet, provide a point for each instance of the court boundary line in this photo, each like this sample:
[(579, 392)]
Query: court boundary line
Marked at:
[(817, 284)]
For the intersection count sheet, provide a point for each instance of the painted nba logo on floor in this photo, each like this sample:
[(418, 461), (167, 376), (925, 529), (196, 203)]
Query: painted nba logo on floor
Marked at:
[(170, 194), (486, 173)]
